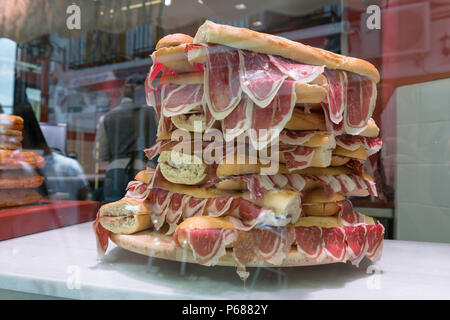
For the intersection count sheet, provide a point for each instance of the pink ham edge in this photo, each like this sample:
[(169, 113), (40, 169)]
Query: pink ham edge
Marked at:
[(258, 77), (222, 89), (182, 99), (333, 243), (159, 201), (194, 207), (374, 244), (361, 99), (273, 244), (337, 94), (346, 215), (156, 149), (356, 243), (352, 143), (309, 241), (175, 211), (209, 245), (137, 190), (302, 73), (267, 123), (299, 158), (296, 137), (238, 121)]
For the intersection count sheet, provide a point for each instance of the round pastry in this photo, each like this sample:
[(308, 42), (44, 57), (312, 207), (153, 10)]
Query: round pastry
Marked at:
[(15, 197), (20, 180), (17, 159), (11, 122), (11, 142)]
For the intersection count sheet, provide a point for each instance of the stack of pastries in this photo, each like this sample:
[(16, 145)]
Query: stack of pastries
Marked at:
[(18, 168), (260, 142)]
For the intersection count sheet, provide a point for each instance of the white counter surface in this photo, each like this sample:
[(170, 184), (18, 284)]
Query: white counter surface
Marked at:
[(62, 263)]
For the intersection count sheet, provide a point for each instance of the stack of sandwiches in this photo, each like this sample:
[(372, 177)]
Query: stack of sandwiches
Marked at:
[(260, 141), (18, 168)]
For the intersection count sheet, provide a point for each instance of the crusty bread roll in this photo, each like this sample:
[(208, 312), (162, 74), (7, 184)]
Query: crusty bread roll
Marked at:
[(144, 176), (22, 160), (18, 179), (126, 216), (11, 122), (337, 161), (18, 197), (243, 38), (173, 40), (318, 203), (178, 167)]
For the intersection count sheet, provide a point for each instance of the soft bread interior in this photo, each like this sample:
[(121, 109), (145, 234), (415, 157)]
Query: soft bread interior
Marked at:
[(125, 216), (178, 167)]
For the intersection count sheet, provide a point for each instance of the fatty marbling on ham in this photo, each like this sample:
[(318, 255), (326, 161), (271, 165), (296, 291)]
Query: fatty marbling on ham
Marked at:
[(181, 99), (372, 145), (350, 101), (271, 245)]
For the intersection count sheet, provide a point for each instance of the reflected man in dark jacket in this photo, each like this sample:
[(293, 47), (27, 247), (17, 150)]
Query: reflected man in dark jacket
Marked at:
[(122, 135)]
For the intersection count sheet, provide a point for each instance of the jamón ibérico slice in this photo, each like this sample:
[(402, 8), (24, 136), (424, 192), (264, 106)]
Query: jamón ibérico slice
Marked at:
[(337, 94), (222, 87), (309, 241), (208, 245), (156, 149), (361, 98), (181, 99), (268, 122), (346, 215), (297, 138), (159, 200), (244, 248), (299, 158), (303, 73), (175, 210), (296, 182), (273, 244), (218, 206), (356, 241), (334, 243), (260, 79), (337, 129), (356, 165), (238, 121), (374, 245), (194, 207), (246, 210), (101, 236), (137, 190), (349, 142)]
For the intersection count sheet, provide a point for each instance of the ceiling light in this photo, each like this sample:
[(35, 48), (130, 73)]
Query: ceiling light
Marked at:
[(240, 6), (167, 2)]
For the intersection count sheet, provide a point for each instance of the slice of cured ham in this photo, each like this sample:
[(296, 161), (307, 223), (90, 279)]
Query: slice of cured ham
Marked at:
[(309, 241), (346, 215), (238, 121), (208, 245), (337, 94), (260, 79), (299, 158), (334, 243), (181, 99), (356, 243), (374, 244), (303, 73), (361, 98), (221, 81), (137, 190), (349, 142), (338, 244), (296, 138), (101, 237), (268, 122)]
